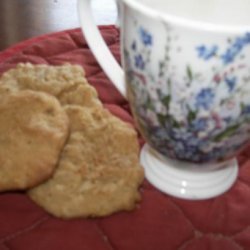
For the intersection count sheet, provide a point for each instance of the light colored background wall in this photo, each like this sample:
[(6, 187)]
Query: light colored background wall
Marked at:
[(23, 19)]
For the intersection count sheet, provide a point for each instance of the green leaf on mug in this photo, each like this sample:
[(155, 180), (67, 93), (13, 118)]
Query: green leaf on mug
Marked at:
[(168, 119), (227, 133), (149, 105), (175, 124), (166, 101), (189, 73), (242, 107), (161, 119), (191, 116)]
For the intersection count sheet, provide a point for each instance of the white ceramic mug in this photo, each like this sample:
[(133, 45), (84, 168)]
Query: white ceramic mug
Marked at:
[(186, 74)]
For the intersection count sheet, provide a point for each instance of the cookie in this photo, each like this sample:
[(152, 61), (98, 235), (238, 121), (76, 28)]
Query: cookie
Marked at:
[(99, 171), (33, 131), (66, 82)]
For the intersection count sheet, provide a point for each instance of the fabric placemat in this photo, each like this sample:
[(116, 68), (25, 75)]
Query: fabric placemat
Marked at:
[(160, 222)]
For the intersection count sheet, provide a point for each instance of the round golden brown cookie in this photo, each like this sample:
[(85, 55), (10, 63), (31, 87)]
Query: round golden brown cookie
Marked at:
[(33, 131), (66, 82), (99, 171)]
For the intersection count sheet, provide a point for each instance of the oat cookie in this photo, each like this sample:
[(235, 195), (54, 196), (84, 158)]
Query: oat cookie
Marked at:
[(66, 82), (98, 173), (33, 131)]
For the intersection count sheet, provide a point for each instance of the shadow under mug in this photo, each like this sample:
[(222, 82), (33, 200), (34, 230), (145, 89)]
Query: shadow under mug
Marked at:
[(188, 85)]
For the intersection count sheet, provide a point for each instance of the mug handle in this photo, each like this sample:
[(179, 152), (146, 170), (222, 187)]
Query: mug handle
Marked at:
[(99, 48)]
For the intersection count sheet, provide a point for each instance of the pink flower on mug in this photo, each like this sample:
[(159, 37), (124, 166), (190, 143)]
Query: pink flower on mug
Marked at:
[(217, 78)]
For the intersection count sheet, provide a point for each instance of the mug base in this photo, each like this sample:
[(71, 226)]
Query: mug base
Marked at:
[(177, 179)]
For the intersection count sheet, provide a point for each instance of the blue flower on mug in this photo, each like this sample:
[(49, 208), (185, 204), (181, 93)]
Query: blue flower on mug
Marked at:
[(207, 53), (199, 124), (161, 132), (186, 146), (247, 37), (146, 37), (227, 120), (180, 134), (194, 131), (235, 49), (246, 110), (134, 46), (194, 142), (205, 98), (231, 83), (229, 56), (139, 62)]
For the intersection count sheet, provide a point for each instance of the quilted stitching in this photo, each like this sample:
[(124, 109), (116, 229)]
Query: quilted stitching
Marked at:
[(160, 222)]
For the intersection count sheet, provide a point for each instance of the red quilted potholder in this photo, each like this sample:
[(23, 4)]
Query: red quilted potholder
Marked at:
[(160, 222)]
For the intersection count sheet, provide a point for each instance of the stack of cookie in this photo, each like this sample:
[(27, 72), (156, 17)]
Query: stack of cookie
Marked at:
[(58, 142)]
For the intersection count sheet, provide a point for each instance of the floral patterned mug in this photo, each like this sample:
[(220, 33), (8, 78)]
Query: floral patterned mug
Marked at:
[(187, 79)]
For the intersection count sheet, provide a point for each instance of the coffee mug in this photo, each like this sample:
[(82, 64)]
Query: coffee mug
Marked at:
[(186, 74)]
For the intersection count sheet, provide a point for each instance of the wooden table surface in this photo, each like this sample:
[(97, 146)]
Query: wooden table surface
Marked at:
[(23, 19)]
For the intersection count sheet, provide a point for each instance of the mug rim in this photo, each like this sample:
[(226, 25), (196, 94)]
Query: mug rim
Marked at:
[(186, 22)]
